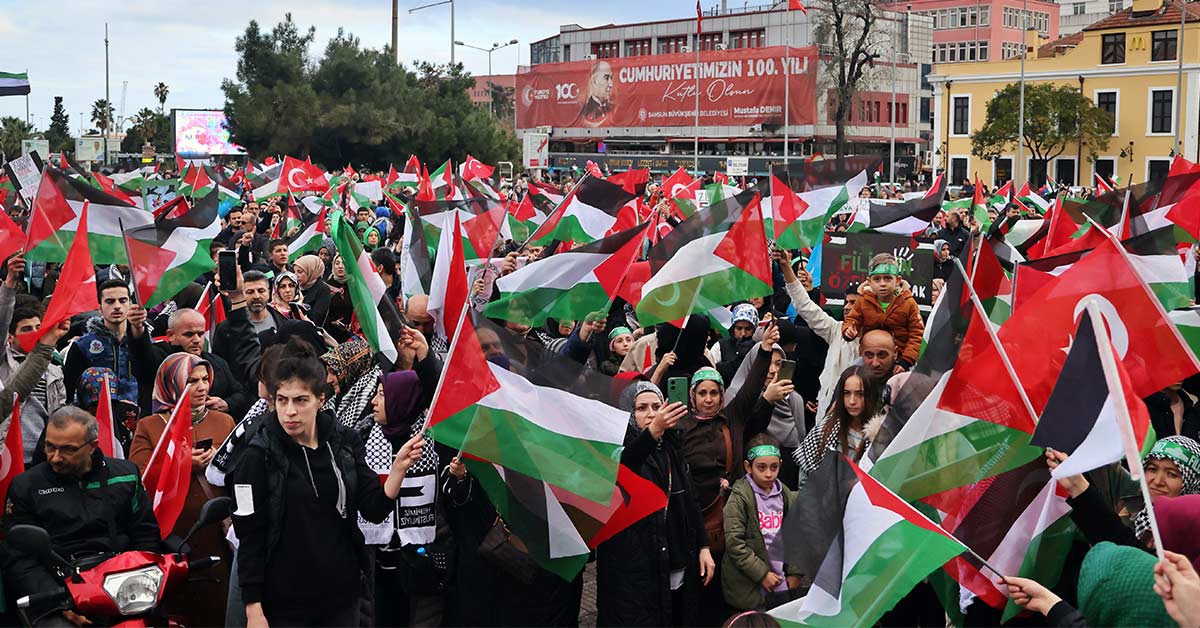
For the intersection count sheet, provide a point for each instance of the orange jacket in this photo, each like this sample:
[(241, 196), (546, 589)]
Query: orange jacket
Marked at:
[(902, 319)]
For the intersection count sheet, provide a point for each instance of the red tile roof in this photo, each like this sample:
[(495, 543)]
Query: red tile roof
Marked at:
[(1168, 13), (1059, 45)]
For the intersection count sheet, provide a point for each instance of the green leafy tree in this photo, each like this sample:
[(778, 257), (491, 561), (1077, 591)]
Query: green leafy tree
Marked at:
[(12, 131), (102, 114), (59, 133), (148, 125), (160, 92), (1057, 117), (353, 104)]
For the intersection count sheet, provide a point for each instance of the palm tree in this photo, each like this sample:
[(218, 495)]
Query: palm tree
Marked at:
[(102, 114), (12, 131), (160, 92)]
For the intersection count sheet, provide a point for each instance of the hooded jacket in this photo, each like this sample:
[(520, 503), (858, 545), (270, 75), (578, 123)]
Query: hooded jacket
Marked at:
[(276, 470), (902, 319)]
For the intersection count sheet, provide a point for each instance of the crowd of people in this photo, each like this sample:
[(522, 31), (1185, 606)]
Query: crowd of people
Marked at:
[(348, 516)]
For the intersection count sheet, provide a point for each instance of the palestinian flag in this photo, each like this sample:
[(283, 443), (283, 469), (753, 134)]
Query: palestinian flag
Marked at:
[(979, 207), (416, 265), (169, 254), (716, 257), (680, 188), (800, 218), (449, 289), (907, 217), (546, 433), (14, 84), (309, 240), (992, 284), (587, 213), (55, 218), (882, 548), (195, 182), (545, 197), (558, 528), (1102, 186), (367, 290), (1032, 199), (522, 219), (569, 285)]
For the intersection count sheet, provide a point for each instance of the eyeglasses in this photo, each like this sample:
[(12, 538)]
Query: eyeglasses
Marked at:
[(66, 450)]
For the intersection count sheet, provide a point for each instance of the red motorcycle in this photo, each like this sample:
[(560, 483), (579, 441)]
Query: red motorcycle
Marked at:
[(115, 589)]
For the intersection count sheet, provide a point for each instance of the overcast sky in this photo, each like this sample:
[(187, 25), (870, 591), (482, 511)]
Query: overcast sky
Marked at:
[(189, 45)]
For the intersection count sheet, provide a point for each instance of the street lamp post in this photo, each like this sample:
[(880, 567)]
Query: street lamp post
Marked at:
[(438, 4), (495, 46)]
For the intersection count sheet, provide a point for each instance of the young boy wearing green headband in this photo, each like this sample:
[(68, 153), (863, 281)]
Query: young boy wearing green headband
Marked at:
[(752, 571), (890, 307)]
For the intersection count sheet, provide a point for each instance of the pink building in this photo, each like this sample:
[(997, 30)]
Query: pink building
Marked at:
[(480, 97), (982, 30)]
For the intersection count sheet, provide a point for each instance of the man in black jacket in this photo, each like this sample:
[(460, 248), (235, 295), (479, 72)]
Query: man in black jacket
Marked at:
[(954, 233), (86, 501)]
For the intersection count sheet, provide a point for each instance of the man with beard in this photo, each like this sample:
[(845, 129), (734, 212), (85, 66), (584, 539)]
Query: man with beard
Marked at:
[(236, 339)]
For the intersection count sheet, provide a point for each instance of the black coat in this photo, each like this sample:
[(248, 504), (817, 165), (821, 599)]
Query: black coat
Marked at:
[(633, 568), (1163, 419), (317, 297), (106, 510)]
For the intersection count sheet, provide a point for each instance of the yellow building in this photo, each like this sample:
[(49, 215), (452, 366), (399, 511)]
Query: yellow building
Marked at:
[(1125, 63)]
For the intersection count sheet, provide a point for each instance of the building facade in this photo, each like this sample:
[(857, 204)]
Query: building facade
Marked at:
[(982, 30), (1075, 14), (481, 95), (900, 40), (1126, 64)]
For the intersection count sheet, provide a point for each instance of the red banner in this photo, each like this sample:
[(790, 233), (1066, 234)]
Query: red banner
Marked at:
[(737, 88)]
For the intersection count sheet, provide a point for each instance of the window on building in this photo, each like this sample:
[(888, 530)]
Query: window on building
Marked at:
[(983, 51), (926, 110), (1116, 5), (985, 16), (637, 47), (566, 52), (1112, 48), (606, 50), (1163, 45), (1064, 171), (1001, 171), (709, 41), (1078, 8), (1162, 105), (1105, 167), (958, 169), (1107, 101), (1157, 169), (672, 45), (961, 113), (1036, 172), (747, 39)]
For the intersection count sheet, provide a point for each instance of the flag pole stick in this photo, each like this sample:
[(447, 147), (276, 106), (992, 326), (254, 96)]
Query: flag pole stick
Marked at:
[(1123, 418), (437, 392), (996, 342), (688, 317)]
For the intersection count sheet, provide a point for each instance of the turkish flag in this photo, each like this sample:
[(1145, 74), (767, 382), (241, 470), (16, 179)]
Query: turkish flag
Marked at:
[(169, 472), (109, 445), (12, 456), (79, 275), (301, 176), (11, 236), (795, 5), (1040, 332), (474, 169)]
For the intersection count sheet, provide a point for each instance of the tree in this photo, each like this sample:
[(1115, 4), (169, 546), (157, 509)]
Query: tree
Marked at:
[(59, 133), (502, 102), (148, 125), (849, 27), (12, 131), (1056, 117), (102, 114), (160, 92), (352, 104)]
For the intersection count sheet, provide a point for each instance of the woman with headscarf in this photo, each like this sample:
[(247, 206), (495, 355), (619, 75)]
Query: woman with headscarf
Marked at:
[(341, 308), (285, 290), (203, 604), (310, 272), (327, 252), (372, 238), (648, 573), (1171, 468)]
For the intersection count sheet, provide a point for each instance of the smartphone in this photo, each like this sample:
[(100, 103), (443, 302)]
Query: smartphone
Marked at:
[(297, 311), (787, 370), (203, 444), (677, 390), (227, 269)]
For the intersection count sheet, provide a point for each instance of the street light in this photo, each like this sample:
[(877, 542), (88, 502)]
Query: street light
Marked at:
[(495, 46), (438, 4)]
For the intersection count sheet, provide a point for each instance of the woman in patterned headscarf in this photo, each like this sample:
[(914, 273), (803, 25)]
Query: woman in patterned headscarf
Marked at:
[(354, 377), (203, 604), (1172, 468)]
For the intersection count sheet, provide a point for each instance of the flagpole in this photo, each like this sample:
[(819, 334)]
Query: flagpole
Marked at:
[(787, 92), (1021, 107), (696, 145), (687, 318), (999, 347), (1123, 418)]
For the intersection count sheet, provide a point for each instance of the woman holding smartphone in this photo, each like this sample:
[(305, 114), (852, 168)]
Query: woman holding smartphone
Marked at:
[(203, 603)]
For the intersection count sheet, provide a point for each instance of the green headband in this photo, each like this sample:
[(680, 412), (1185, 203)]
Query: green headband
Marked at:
[(707, 374), (612, 335), (885, 269), (1171, 450), (762, 451)]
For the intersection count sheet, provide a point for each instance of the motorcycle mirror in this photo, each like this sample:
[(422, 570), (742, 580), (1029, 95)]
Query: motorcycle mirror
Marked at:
[(31, 540), (214, 510)]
